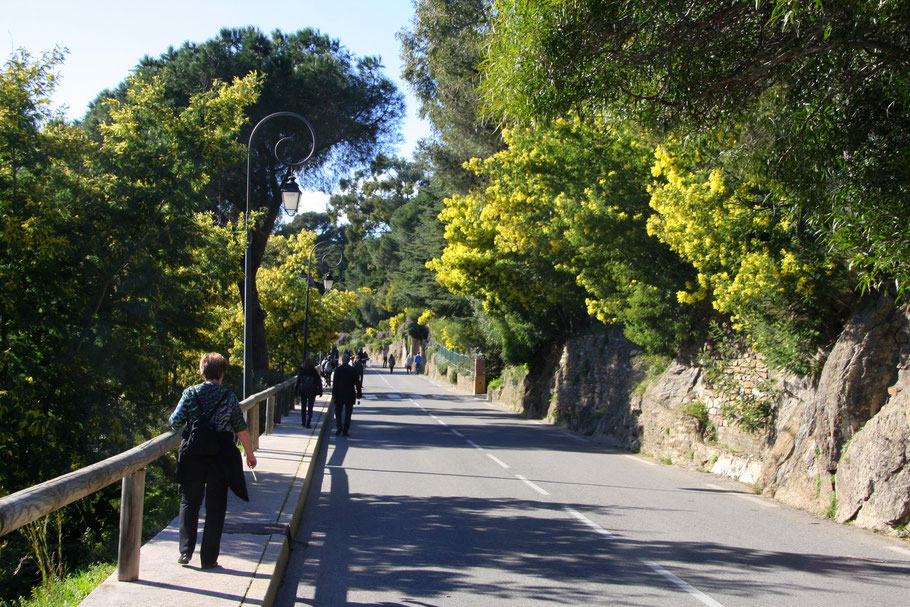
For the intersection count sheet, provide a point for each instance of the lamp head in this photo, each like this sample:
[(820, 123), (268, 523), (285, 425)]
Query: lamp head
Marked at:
[(290, 196)]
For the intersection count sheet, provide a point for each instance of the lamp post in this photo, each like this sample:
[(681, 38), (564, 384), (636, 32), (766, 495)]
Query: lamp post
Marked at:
[(327, 282), (290, 197)]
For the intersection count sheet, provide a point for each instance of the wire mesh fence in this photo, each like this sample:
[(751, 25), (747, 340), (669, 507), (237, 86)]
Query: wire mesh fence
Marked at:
[(463, 363)]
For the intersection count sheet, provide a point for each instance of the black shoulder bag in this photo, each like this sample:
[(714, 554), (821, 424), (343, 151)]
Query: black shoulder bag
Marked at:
[(202, 438)]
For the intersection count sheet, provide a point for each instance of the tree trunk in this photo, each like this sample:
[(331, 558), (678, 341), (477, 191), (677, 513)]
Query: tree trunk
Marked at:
[(259, 237)]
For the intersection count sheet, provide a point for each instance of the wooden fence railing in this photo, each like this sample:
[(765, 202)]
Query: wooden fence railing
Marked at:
[(30, 504)]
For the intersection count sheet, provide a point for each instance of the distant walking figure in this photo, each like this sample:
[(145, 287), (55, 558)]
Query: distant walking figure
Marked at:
[(418, 360), (308, 387), (391, 363), (346, 390), (208, 474)]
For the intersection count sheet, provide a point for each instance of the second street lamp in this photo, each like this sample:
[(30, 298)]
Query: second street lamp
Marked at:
[(327, 282)]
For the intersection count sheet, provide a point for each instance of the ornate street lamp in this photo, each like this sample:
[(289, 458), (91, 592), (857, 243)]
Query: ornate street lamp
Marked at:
[(290, 197), (328, 281)]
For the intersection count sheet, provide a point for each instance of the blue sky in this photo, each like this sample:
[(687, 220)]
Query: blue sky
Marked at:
[(106, 39)]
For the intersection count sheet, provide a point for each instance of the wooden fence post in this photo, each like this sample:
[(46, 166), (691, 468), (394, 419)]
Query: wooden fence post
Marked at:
[(132, 498), (270, 415), (252, 420)]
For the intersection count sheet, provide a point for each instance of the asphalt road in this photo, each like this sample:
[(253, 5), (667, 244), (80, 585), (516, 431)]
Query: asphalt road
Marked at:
[(443, 499)]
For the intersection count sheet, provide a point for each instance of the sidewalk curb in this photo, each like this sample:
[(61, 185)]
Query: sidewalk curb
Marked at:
[(270, 571)]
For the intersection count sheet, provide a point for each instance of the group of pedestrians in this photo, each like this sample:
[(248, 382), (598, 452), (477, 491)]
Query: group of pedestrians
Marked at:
[(214, 409), (389, 360)]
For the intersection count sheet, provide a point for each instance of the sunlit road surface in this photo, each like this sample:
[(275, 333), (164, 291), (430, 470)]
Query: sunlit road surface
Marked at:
[(438, 498)]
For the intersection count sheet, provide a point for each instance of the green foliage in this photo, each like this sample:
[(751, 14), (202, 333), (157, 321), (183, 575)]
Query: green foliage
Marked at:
[(560, 231), (699, 411), (831, 510), (107, 258), (442, 52), (815, 95), (63, 592), (355, 108), (753, 262)]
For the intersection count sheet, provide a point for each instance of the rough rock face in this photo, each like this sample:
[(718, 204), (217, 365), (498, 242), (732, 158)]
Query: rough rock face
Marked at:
[(593, 381), (873, 478), (799, 469), (663, 429)]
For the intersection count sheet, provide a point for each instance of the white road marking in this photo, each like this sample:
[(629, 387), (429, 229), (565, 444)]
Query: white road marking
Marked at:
[(692, 590), (751, 498), (498, 461), (439, 420), (597, 528), (531, 485), (695, 592), (473, 444), (456, 432)]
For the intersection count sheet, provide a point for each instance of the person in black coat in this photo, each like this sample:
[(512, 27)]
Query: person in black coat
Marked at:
[(308, 387), (209, 476), (346, 389)]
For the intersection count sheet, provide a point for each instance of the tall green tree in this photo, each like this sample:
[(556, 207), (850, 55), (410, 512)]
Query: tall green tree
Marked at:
[(108, 268), (443, 51), (355, 110)]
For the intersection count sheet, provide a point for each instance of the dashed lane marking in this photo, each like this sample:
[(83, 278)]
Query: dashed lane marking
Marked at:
[(692, 590), (498, 461), (532, 485), (594, 526)]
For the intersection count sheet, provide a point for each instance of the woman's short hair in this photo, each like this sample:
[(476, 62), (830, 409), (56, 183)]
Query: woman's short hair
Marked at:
[(212, 365)]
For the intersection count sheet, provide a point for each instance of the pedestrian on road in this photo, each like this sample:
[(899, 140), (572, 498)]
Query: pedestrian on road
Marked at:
[(408, 361), (308, 387), (418, 360), (209, 475), (385, 357), (347, 389), (359, 367), (391, 363)]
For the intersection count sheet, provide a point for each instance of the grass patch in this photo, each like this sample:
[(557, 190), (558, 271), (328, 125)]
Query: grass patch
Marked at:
[(68, 591)]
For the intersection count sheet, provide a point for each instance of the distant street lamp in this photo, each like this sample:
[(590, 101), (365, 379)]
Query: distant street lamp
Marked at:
[(290, 198), (327, 282)]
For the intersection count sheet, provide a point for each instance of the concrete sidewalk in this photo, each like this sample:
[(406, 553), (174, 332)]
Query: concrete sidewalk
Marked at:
[(257, 534)]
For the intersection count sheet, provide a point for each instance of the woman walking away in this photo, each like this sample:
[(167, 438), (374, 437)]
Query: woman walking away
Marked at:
[(208, 463), (391, 363), (407, 363), (309, 386)]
